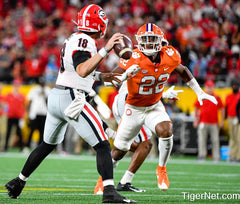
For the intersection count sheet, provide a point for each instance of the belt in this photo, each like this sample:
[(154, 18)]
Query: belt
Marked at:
[(62, 87), (69, 88)]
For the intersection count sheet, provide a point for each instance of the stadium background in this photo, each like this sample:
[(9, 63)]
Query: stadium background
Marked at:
[(206, 33), (187, 99)]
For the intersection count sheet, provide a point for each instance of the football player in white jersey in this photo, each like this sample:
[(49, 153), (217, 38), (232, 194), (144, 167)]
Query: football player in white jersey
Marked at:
[(67, 102)]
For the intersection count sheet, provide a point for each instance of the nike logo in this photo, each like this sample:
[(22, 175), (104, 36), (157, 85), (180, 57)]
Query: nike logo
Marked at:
[(165, 69)]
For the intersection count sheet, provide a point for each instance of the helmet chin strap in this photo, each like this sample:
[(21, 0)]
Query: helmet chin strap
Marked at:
[(74, 22), (149, 53), (152, 56)]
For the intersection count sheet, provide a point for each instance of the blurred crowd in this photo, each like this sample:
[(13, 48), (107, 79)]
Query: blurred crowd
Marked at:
[(205, 32)]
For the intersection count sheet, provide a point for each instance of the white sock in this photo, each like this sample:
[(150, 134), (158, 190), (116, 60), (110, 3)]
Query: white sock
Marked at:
[(165, 147), (108, 182), (24, 178), (127, 177)]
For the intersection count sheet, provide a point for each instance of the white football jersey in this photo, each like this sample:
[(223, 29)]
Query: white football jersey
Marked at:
[(67, 75), (123, 88)]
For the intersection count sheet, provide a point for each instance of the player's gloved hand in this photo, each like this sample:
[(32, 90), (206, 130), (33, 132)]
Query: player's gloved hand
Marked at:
[(171, 93), (202, 96), (111, 79), (200, 93), (130, 72)]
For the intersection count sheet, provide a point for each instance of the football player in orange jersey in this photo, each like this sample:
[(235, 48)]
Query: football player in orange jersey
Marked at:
[(142, 143), (140, 147), (143, 105)]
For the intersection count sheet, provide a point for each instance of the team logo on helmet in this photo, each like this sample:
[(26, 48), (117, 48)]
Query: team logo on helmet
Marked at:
[(101, 13)]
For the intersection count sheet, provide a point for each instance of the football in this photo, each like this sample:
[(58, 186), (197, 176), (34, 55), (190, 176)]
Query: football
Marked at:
[(124, 49)]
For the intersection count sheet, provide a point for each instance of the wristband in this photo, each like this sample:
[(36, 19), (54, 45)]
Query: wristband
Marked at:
[(98, 76), (164, 95), (193, 84), (103, 52)]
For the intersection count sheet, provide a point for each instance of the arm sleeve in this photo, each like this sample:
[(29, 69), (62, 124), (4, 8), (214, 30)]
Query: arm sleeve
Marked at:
[(122, 63), (125, 64), (80, 57)]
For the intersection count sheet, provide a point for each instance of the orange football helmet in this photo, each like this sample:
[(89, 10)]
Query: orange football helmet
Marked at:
[(149, 38), (92, 18)]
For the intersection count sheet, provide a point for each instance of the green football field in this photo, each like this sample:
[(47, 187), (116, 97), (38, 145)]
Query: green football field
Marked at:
[(71, 179)]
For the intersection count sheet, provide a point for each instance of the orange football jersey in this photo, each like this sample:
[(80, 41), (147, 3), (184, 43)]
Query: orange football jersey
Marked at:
[(146, 87)]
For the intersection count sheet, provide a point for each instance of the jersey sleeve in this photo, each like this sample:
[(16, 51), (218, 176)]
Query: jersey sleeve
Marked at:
[(122, 63), (172, 56), (125, 64), (80, 57), (82, 42)]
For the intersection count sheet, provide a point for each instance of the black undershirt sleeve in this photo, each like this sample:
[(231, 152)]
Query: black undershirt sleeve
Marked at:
[(80, 57)]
